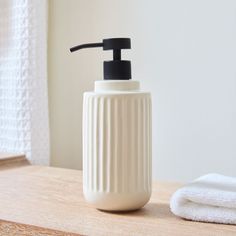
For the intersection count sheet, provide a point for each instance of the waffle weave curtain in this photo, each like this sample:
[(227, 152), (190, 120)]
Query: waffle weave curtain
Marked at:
[(24, 122)]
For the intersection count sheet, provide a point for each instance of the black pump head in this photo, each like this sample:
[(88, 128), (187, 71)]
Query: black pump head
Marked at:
[(116, 69)]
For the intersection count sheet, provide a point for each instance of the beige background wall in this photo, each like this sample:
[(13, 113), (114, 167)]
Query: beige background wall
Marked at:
[(183, 51), (69, 76)]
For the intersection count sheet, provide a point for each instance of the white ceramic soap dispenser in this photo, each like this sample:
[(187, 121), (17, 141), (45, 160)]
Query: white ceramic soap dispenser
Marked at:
[(116, 136)]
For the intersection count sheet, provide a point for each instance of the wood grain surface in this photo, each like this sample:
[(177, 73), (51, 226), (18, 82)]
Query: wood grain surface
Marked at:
[(37, 200), (17, 229)]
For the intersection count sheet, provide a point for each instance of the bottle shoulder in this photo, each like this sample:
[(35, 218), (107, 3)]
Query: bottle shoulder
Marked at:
[(117, 93), (117, 88)]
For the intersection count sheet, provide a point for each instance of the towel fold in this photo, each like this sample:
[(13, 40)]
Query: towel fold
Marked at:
[(210, 198)]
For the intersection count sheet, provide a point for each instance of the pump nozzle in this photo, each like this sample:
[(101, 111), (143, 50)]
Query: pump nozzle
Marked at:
[(117, 69), (87, 45)]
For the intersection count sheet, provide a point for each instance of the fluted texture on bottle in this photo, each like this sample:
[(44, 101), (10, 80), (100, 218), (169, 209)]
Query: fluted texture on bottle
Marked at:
[(117, 143)]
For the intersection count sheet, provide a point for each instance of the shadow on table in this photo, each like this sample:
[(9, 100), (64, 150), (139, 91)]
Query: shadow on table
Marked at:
[(151, 210)]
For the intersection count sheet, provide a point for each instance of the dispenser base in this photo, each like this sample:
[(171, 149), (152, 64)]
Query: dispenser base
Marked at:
[(117, 201)]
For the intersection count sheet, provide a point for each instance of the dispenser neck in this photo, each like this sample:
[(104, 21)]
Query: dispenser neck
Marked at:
[(116, 85)]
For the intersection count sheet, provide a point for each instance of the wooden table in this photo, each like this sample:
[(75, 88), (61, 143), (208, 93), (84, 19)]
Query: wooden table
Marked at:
[(37, 200)]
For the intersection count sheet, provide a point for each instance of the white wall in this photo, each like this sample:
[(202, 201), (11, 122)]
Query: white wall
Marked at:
[(183, 51)]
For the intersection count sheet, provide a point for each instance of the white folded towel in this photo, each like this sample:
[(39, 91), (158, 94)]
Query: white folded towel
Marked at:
[(210, 198)]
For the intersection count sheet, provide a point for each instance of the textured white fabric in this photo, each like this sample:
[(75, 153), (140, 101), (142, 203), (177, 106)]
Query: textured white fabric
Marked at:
[(211, 198), (23, 79)]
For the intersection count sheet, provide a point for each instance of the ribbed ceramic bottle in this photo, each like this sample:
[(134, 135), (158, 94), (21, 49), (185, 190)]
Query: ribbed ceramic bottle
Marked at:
[(117, 146)]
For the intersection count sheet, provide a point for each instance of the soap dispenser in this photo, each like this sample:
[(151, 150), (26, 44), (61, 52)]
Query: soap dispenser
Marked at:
[(117, 167)]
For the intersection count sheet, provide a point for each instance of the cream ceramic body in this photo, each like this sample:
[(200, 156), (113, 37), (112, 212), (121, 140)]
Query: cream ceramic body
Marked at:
[(117, 146)]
